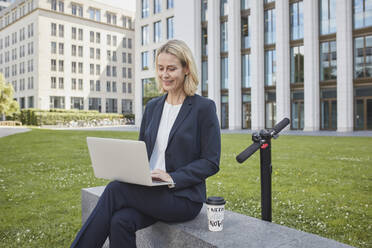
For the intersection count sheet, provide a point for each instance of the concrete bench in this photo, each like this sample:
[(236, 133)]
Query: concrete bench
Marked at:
[(239, 231)]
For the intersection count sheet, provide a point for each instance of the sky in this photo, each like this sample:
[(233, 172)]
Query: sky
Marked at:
[(123, 4)]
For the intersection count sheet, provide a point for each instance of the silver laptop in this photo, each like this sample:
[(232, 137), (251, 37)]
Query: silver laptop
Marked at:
[(122, 160)]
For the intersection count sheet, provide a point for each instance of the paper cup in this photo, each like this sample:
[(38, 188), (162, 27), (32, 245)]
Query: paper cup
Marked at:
[(215, 211)]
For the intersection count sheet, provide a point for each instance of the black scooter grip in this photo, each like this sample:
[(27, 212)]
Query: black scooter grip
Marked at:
[(248, 152), (282, 124)]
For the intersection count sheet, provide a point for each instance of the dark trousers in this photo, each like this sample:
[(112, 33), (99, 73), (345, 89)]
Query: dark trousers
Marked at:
[(125, 208)]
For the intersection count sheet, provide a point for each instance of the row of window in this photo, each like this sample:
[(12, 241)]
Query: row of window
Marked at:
[(4, 43), (94, 13), (13, 55), (94, 104), (77, 84), (145, 7), (14, 71), (145, 38), (78, 34), (16, 13), (22, 84), (22, 102)]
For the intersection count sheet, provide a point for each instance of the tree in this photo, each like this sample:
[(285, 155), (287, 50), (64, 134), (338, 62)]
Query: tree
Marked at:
[(8, 106)]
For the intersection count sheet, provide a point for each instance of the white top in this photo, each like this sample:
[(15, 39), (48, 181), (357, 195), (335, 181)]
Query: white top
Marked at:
[(168, 117)]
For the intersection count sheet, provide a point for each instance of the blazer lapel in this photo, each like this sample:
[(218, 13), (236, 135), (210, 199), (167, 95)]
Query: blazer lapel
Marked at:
[(158, 111), (184, 111)]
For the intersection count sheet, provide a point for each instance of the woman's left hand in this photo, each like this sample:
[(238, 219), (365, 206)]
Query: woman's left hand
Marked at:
[(161, 175)]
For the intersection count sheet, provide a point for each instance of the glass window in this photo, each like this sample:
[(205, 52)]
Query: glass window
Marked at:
[(145, 60), (126, 106), (362, 13), (170, 31), (77, 103), (145, 35), (224, 7), (270, 67), (246, 111), (170, 4), (145, 8), (95, 104), (157, 6), (297, 21), (297, 64), (57, 102), (269, 1), (270, 28), (363, 57), (224, 73), (73, 33), (111, 105), (327, 16), (270, 109), (245, 32), (204, 42), (204, 6), (244, 4), (205, 76), (246, 71), (328, 60), (157, 31), (224, 37)]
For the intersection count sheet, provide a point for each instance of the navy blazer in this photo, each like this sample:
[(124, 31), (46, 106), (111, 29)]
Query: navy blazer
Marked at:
[(194, 143)]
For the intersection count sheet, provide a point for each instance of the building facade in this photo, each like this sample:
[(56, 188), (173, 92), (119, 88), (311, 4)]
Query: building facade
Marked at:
[(261, 61), (68, 55), (4, 4)]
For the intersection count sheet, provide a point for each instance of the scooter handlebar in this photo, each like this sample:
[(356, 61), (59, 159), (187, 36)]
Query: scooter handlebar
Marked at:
[(248, 152), (282, 124)]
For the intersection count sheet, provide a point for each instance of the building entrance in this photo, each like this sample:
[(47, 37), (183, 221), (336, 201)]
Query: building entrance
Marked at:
[(363, 113)]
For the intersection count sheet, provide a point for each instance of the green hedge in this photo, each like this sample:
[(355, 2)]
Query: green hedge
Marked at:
[(38, 117)]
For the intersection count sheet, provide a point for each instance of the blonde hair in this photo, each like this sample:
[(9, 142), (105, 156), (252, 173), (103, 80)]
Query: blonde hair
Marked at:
[(179, 49)]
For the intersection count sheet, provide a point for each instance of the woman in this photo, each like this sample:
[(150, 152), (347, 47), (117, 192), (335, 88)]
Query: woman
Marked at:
[(182, 137)]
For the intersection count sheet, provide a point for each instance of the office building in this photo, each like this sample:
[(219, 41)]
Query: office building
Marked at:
[(68, 54), (261, 61)]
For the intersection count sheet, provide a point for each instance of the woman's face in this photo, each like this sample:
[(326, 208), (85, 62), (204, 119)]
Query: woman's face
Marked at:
[(171, 73)]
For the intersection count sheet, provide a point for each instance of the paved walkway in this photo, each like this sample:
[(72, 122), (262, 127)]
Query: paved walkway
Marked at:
[(5, 131), (243, 131)]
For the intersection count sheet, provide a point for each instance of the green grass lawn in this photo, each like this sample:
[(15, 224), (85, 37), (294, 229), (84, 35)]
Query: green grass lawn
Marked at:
[(321, 185)]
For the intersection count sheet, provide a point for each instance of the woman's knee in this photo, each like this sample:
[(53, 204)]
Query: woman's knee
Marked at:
[(121, 221), (114, 186)]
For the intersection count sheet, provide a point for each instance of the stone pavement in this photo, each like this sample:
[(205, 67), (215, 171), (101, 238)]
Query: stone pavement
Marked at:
[(5, 131)]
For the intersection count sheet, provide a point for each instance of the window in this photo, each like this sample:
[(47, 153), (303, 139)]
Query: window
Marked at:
[(109, 55), (73, 33), (362, 13), (145, 60), (224, 7), (328, 60), (145, 8), (53, 46), (95, 104), (114, 57), (327, 16), (244, 4), (114, 40), (363, 57), (157, 31), (91, 36), (114, 74), (61, 6), (114, 89), (80, 66), (224, 37), (245, 20), (170, 30), (73, 67), (124, 21), (246, 71), (80, 84), (170, 4), (108, 86), (91, 53), (60, 65), (111, 18), (53, 4), (73, 83), (98, 38), (30, 101), (129, 43), (124, 42), (91, 69), (53, 63), (270, 67), (98, 85), (80, 51), (111, 105), (60, 83), (124, 57), (297, 64), (98, 53), (224, 73), (108, 70), (157, 6), (124, 87), (95, 14), (61, 48), (108, 39), (270, 26), (80, 34), (53, 31), (98, 69), (129, 88), (129, 58), (204, 8), (145, 35), (297, 20), (129, 73), (57, 102), (73, 50), (124, 72), (61, 30), (77, 103)]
